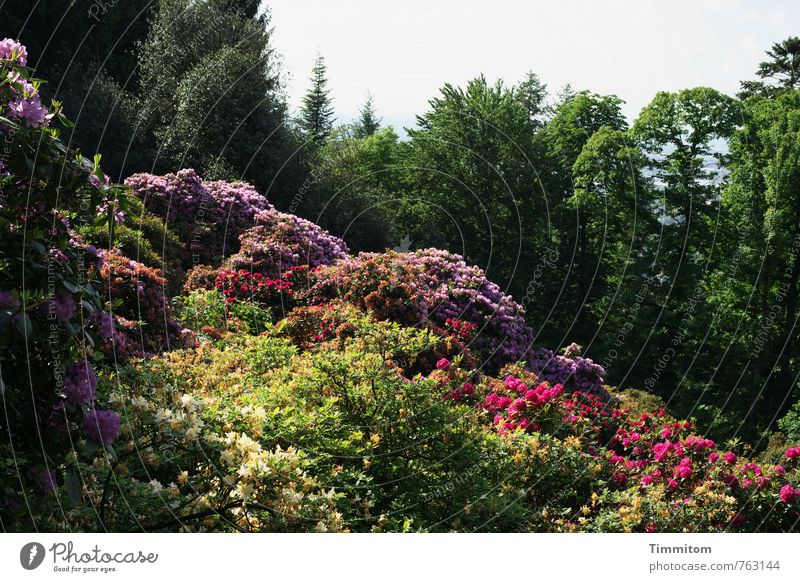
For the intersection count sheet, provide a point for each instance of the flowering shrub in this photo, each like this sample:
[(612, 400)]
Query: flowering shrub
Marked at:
[(49, 300), (281, 241), (208, 217), (142, 312), (434, 288), (570, 370), (243, 285)]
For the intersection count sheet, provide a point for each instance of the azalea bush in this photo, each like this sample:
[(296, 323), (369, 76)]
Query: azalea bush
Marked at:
[(141, 309)]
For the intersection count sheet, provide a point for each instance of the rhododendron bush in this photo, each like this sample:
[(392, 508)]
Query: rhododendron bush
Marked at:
[(52, 315)]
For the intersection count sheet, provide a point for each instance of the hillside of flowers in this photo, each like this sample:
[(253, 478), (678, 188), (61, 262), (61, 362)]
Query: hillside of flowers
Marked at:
[(257, 376)]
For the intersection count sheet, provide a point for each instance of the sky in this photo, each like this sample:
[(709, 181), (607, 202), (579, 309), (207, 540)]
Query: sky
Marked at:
[(404, 52)]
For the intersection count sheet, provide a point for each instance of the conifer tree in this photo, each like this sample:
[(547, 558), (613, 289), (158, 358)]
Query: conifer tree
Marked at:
[(368, 122), (316, 114)]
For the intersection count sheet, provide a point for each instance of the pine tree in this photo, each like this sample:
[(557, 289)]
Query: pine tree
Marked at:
[(316, 114), (368, 122)]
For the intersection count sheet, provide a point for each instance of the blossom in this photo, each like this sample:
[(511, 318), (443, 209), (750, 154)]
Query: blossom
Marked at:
[(61, 306), (443, 364), (730, 457), (101, 425), (787, 494), (792, 452), (9, 47), (80, 383), (30, 109)]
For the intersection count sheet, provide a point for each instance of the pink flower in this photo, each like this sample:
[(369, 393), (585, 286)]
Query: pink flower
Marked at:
[(647, 480), (713, 457), (443, 364), (660, 450), (730, 458), (793, 453), (738, 520), (787, 494)]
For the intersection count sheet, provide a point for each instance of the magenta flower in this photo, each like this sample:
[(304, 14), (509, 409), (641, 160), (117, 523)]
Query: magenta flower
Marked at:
[(787, 494), (730, 458), (443, 364)]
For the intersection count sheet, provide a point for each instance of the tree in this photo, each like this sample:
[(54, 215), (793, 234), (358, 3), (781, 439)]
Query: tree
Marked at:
[(783, 69), (211, 96), (533, 93), (764, 203), (368, 122), (575, 120), (316, 114), (473, 180)]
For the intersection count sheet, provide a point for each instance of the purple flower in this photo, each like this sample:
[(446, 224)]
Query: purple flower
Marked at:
[(7, 300), (29, 109), (62, 306), (80, 383), (103, 323), (9, 46), (45, 478), (101, 425)]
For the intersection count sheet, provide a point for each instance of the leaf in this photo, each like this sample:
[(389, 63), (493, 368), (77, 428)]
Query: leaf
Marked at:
[(70, 286), (24, 324), (73, 483)]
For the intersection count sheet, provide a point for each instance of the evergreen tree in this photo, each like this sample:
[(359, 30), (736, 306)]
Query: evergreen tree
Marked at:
[(368, 122), (782, 68), (316, 115)]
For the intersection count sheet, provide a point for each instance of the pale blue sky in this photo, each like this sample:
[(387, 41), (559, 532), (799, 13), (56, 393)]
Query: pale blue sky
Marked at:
[(403, 52)]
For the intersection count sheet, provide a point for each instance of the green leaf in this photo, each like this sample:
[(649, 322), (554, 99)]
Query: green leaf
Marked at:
[(24, 324), (70, 286), (73, 483)]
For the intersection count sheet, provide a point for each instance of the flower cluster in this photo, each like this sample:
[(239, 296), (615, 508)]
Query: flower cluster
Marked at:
[(523, 406), (19, 98), (280, 241), (573, 371), (243, 285)]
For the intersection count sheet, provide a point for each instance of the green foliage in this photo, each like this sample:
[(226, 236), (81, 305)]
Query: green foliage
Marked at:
[(207, 313)]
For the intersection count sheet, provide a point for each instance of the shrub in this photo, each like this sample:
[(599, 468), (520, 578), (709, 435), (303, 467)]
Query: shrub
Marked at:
[(140, 308), (49, 297), (431, 288), (281, 241), (208, 217)]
